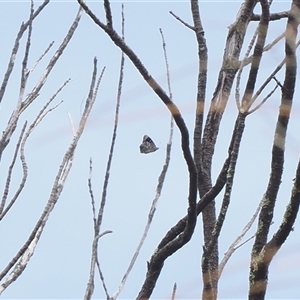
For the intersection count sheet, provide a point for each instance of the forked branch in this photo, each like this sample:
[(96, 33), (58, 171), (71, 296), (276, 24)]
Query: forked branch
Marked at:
[(19, 261), (263, 252), (157, 260)]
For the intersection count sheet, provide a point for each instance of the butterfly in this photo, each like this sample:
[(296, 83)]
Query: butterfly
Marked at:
[(147, 146)]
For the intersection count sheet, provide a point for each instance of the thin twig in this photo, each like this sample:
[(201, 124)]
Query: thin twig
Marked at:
[(181, 21), (257, 56), (92, 194), (262, 87), (15, 49), (32, 96), (12, 123), (233, 246), (245, 242), (22, 105), (266, 48), (159, 187), (102, 277), (109, 21), (171, 106), (8, 178), (24, 71), (174, 291), (43, 112), (20, 260), (41, 57), (71, 123), (242, 64), (262, 101), (90, 285)]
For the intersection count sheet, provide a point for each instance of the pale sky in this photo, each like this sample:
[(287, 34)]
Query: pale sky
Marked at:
[(59, 268)]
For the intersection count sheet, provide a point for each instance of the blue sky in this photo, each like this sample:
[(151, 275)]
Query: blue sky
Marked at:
[(60, 266)]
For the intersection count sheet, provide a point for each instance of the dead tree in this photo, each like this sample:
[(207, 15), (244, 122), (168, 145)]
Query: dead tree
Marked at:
[(203, 189), (16, 135), (199, 161)]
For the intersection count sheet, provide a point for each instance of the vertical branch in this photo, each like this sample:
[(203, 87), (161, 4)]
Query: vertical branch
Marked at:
[(109, 21), (15, 49), (259, 261), (257, 55), (22, 105), (25, 73), (201, 89), (219, 101), (174, 291), (227, 74), (8, 178), (288, 219), (90, 285), (113, 141), (242, 64), (32, 96), (234, 244), (39, 118), (156, 88), (159, 187), (17, 263), (210, 273), (158, 258)]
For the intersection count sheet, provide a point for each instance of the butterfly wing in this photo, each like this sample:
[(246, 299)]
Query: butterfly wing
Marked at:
[(147, 145)]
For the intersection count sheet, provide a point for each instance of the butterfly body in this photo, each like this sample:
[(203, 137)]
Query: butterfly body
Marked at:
[(147, 146)]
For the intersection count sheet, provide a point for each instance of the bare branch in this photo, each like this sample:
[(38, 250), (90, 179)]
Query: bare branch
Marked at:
[(266, 214), (273, 16), (41, 57), (90, 286), (57, 188), (167, 68), (266, 48), (8, 178), (43, 112), (22, 263), (230, 66), (32, 96), (174, 291), (288, 219), (24, 71), (211, 274), (157, 261), (92, 195), (21, 106), (159, 187), (234, 246), (181, 21), (257, 55), (102, 277), (109, 21), (272, 76), (71, 123), (15, 49), (156, 88), (204, 201), (201, 90), (242, 64), (262, 101), (263, 253), (113, 141)]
